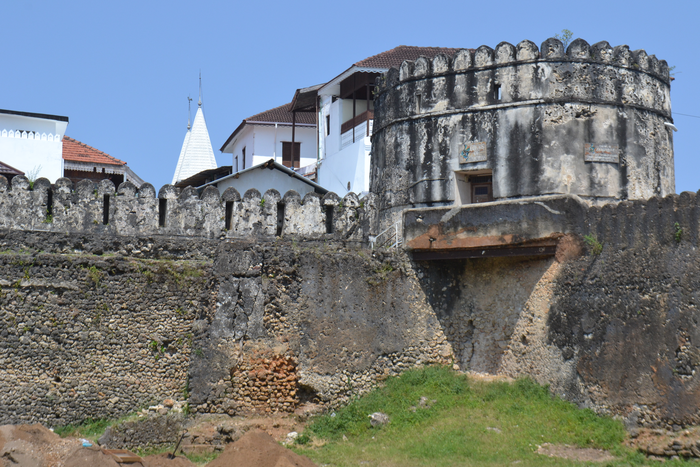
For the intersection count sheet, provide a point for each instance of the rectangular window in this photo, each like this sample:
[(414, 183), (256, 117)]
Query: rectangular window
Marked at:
[(243, 156), (289, 159), (328, 125), (482, 188)]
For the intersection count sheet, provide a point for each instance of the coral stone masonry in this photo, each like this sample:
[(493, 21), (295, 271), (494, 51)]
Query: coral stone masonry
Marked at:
[(574, 262), (518, 121)]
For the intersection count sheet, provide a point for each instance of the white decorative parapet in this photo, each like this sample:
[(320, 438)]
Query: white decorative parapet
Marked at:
[(30, 135)]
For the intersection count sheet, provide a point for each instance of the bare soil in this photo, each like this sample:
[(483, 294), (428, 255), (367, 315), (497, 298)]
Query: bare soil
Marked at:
[(258, 449), (564, 451)]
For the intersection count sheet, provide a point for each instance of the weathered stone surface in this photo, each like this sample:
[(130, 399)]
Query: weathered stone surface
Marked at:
[(535, 113)]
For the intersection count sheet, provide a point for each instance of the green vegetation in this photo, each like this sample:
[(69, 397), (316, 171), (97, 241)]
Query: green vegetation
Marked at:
[(593, 244), (93, 429), (678, 234), (89, 429), (95, 275), (565, 37), (463, 422)]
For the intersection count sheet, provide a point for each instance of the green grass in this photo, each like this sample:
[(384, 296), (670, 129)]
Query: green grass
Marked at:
[(459, 428), (93, 429), (89, 429)]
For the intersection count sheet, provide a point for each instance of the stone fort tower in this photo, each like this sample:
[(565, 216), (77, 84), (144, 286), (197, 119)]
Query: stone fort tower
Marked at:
[(485, 124)]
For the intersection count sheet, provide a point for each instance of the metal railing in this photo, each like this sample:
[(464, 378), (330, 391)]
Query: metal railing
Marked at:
[(389, 238)]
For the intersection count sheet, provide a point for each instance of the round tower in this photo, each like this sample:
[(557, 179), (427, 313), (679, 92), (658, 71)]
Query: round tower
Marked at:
[(487, 125)]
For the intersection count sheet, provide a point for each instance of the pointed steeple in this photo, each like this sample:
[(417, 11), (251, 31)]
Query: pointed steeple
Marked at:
[(196, 154)]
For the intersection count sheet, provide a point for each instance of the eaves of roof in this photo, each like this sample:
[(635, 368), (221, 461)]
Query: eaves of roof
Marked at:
[(35, 115), (252, 122), (270, 164)]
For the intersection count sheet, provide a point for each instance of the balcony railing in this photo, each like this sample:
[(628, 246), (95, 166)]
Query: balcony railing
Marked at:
[(360, 132), (366, 116)]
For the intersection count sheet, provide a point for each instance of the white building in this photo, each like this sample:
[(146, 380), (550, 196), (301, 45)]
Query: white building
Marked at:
[(32, 143), (273, 134), (345, 109), (264, 176)]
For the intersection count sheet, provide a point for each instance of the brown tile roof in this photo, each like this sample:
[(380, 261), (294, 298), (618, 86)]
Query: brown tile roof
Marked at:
[(7, 169), (282, 114), (396, 56), (279, 114), (76, 151)]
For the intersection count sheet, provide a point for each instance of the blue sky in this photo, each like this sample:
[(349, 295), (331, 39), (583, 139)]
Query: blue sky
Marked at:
[(122, 71)]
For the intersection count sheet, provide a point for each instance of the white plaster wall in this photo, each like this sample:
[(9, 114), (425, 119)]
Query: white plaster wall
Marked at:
[(263, 142), (263, 180), (330, 143), (269, 145), (29, 154), (244, 139), (349, 165)]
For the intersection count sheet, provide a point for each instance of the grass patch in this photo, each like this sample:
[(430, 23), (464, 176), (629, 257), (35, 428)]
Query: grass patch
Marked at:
[(89, 429), (469, 423)]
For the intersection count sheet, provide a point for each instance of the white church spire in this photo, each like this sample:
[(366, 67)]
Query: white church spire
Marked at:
[(196, 154)]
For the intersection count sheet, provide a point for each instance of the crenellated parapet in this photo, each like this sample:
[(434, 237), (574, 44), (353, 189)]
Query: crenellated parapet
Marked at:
[(584, 73), (101, 208), (588, 120)]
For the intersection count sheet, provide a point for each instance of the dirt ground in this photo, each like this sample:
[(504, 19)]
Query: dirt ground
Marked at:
[(258, 449), (565, 451), (37, 446)]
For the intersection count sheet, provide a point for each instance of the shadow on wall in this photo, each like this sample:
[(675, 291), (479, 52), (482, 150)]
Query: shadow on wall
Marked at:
[(479, 302)]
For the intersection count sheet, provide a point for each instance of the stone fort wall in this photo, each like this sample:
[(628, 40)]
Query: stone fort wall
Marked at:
[(98, 325), (589, 121), (105, 209)]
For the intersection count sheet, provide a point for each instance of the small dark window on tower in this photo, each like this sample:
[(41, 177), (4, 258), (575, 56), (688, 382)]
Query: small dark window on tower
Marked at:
[(280, 218), (497, 92), (329, 219), (328, 125), (229, 215), (162, 211), (418, 102), (105, 209), (49, 205)]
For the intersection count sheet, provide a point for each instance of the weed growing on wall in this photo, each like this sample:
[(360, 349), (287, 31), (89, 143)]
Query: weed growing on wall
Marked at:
[(678, 234), (94, 275), (593, 244)]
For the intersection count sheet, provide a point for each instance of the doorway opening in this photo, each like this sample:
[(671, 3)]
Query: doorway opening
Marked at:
[(474, 187)]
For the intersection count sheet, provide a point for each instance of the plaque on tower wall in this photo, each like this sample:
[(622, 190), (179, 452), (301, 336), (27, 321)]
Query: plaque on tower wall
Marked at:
[(601, 153), (473, 151)]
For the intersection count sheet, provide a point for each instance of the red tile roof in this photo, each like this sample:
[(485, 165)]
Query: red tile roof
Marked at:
[(76, 151), (281, 114), (396, 56)]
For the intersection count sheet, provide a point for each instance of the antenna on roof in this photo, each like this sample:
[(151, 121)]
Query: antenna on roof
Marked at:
[(200, 88), (189, 111)]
